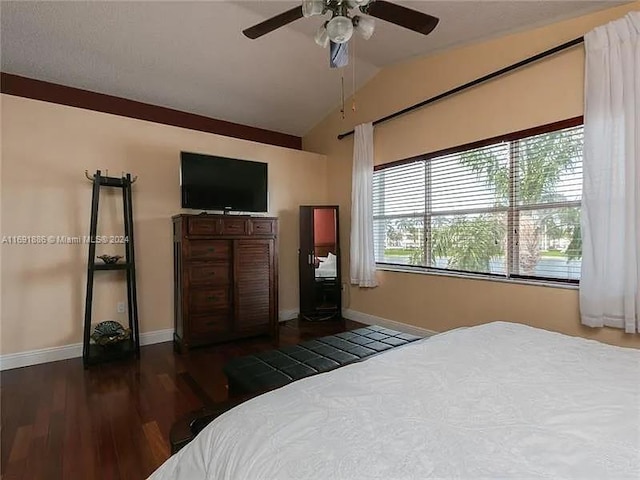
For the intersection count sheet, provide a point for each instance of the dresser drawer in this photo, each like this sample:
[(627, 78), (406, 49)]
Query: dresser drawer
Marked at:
[(208, 250), (204, 226), (262, 227), (208, 300), (235, 226), (209, 274), (214, 322)]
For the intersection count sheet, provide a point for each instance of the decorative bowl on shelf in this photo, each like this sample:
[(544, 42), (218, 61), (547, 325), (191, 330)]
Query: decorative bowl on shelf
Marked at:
[(110, 259), (110, 333)]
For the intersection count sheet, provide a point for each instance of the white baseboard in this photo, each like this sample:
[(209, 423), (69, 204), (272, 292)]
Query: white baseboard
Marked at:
[(287, 315), (43, 355), (158, 336), (385, 322), (53, 354)]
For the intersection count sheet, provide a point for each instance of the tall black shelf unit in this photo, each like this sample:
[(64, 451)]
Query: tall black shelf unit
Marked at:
[(93, 353)]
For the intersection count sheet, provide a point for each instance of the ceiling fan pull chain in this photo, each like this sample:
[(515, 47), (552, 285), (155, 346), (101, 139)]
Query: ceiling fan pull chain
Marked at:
[(342, 93)]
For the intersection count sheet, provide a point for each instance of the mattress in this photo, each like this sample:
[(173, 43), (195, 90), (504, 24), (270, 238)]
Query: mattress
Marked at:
[(500, 400)]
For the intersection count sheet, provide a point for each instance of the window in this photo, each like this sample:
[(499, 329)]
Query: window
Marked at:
[(507, 207)]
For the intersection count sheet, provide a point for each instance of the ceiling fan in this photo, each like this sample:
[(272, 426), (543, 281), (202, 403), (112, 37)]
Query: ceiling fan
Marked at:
[(346, 18)]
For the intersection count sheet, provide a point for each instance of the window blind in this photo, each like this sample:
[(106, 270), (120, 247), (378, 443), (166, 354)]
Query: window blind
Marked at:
[(510, 208)]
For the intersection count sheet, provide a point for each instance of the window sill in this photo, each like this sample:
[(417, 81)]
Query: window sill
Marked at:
[(471, 276)]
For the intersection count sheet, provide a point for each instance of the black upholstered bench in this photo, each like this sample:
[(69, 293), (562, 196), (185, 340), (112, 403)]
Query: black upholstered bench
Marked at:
[(275, 368)]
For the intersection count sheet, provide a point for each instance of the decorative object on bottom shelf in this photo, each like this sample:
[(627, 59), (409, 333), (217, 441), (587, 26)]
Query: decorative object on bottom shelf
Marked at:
[(110, 259), (109, 333)]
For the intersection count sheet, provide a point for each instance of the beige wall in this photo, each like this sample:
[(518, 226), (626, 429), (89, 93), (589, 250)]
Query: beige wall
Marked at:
[(45, 150), (545, 92)]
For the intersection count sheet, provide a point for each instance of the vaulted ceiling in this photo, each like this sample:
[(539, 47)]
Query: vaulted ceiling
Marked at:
[(192, 56)]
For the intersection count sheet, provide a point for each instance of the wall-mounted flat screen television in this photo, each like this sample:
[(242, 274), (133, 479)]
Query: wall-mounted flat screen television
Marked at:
[(218, 183)]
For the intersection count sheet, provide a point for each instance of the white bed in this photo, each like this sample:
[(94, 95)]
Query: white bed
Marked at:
[(500, 400)]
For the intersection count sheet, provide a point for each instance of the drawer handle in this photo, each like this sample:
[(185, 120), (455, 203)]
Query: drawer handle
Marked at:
[(211, 298), (211, 249), (210, 323)]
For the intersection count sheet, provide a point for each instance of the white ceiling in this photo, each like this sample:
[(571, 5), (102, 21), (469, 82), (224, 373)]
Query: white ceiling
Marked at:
[(191, 56)]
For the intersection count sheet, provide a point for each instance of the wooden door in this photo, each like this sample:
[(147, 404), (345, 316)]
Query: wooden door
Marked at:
[(254, 263)]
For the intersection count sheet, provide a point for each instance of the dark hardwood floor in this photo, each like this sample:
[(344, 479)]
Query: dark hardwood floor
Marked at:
[(112, 421)]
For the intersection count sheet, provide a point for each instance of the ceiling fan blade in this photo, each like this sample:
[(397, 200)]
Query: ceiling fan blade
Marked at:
[(403, 16), (273, 23)]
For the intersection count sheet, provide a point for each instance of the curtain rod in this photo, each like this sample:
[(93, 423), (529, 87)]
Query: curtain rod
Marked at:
[(502, 71)]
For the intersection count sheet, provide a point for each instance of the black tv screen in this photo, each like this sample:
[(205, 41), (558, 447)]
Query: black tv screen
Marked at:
[(218, 183)]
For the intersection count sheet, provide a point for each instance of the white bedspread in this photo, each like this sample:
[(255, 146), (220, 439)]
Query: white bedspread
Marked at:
[(500, 400)]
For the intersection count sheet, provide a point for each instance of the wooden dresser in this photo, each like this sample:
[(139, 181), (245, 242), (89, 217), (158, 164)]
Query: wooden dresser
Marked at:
[(225, 278)]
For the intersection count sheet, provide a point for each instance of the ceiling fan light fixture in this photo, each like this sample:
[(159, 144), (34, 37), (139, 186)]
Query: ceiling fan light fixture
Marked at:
[(312, 7), (321, 37), (364, 26), (339, 29)]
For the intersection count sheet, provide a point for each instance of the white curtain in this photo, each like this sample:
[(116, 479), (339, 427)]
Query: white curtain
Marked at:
[(609, 283), (363, 263)]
